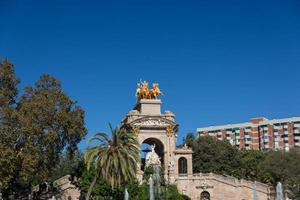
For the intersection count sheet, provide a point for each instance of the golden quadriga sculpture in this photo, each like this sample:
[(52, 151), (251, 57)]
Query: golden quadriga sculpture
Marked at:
[(143, 92)]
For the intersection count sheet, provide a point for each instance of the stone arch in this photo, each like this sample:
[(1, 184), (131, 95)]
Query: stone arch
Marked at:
[(205, 195), (159, 148), (182, 165)]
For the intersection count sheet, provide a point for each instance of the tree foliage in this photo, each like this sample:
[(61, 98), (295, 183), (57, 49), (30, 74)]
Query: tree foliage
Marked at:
[(115, 159), (8, 126), (8, 84), (103, 190), (189, 139), (171, 193), (212, 155), (249, 164), (283, 167), (50, 122), (69, 164), (35, 128)]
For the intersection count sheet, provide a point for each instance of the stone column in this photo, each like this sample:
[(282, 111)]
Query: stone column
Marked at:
[(190, 165), (170, 158)]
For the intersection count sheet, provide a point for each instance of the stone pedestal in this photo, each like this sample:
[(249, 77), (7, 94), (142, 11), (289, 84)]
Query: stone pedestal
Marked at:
[(149, 106)]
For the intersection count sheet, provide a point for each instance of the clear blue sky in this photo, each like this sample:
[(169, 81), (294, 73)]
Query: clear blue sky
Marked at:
[(216, 61)]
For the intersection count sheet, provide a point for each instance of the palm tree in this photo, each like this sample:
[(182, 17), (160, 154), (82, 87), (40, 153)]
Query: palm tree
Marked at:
[(114, 159)]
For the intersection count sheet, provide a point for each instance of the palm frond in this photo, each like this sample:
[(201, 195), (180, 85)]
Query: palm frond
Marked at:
[(116, 158), (101, 137)]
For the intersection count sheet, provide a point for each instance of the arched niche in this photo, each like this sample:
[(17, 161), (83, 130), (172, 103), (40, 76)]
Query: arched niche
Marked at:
[(159, 149), (205, 195)]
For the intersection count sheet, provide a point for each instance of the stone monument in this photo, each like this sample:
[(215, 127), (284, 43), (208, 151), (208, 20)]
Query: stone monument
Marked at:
[(159, 130), (155, 128)]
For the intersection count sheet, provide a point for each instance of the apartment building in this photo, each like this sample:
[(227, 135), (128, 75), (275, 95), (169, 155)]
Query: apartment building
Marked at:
[(258, 134)]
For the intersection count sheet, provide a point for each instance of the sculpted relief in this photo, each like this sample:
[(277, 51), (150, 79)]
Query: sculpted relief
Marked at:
[(154, 123), (151, 122)]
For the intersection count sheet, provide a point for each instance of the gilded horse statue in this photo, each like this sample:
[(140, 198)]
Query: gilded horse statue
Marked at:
[(143, 92)]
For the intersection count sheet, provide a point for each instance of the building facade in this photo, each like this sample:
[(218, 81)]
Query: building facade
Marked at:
[(258, 134)]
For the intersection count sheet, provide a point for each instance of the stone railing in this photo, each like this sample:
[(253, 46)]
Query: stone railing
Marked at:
[(233, 181)]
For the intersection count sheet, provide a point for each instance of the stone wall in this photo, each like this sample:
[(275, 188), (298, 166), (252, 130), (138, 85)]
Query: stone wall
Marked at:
[(223, 187), (67, 191)]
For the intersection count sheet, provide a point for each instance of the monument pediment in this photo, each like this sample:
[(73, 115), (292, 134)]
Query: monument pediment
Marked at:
[(152, 122)]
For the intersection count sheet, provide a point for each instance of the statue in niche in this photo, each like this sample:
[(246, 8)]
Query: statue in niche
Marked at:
[(152, 158)]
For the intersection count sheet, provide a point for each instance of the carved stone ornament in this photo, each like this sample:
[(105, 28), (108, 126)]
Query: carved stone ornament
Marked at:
[(204, 186), (151, 122), (135, 130), (170, 130)]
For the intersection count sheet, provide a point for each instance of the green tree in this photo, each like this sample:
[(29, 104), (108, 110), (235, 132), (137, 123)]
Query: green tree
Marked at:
[(212, 155), (8, 84), (284, 167), (50, 122), (189, 139), (115, 159), (69, 164), (171, 193), (9, 132), (249, 166), (101, 188), (137, 191), (34, 129)]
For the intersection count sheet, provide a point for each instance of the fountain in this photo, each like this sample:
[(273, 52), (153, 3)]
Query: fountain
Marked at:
[(279, 191), (255, 196), (156, 175), (126, 195), (151, 192), (152, 160)]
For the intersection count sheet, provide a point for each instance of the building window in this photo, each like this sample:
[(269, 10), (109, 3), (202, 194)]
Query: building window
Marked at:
[(205, 195), (296, 124), (266, 137), (182, 165)]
